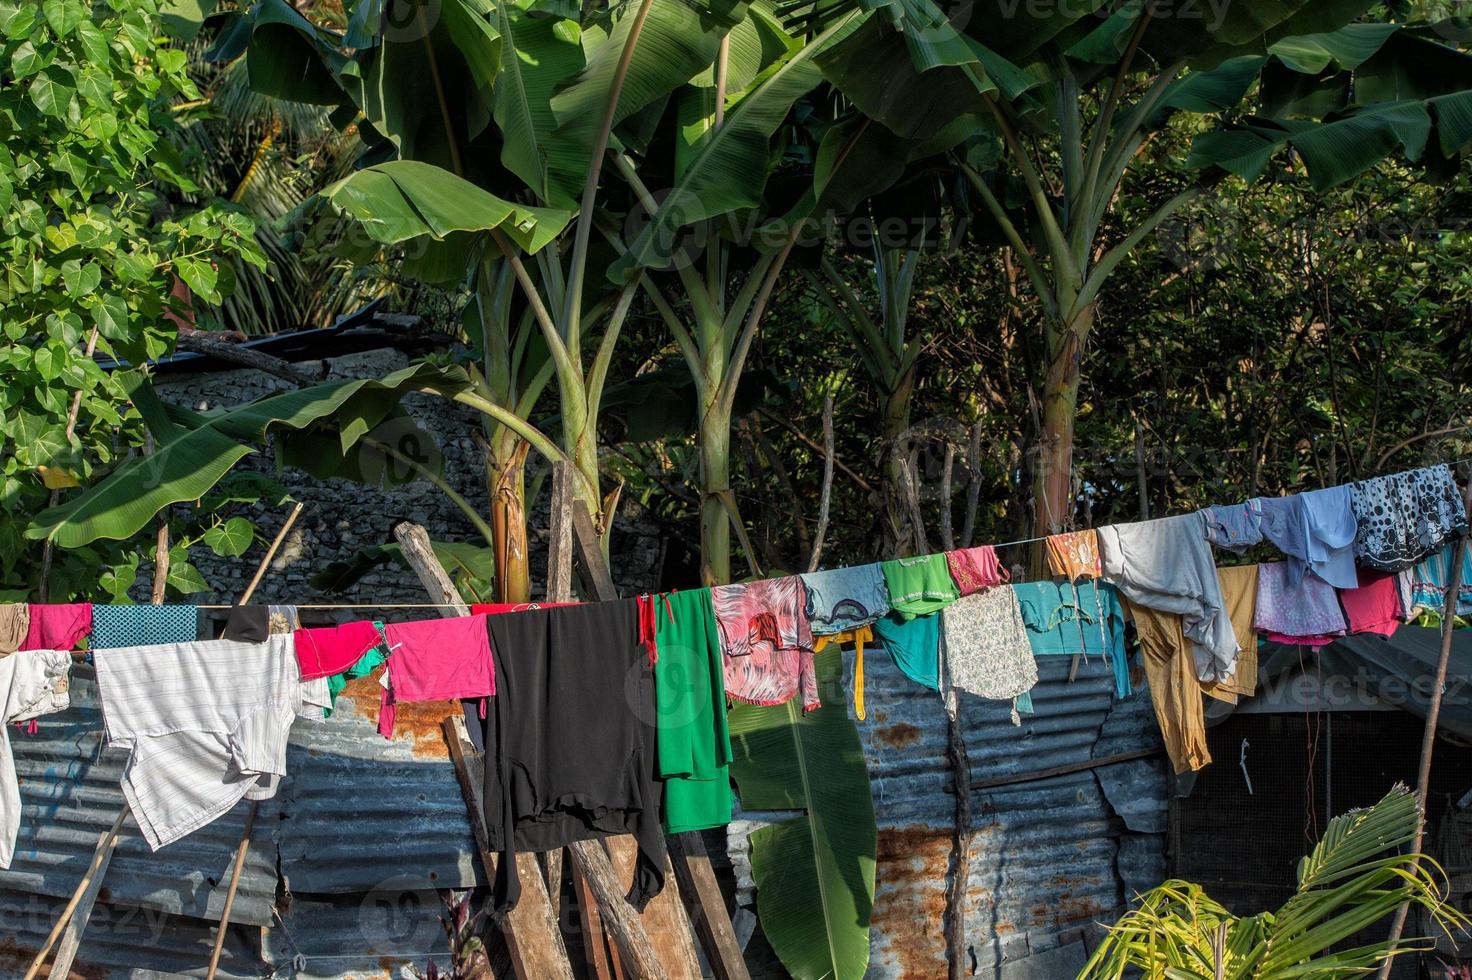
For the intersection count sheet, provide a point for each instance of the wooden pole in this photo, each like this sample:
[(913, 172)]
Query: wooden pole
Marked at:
[(243, 848), (91, 882), (1433, 713), (419, 553), (533, 938), (270, 553)]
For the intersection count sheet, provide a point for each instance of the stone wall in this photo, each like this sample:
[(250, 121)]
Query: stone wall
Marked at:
[(343, 516)]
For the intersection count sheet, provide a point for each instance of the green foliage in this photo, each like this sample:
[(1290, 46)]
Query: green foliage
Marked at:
[(814, 872), (1351, 880), (92, 236)]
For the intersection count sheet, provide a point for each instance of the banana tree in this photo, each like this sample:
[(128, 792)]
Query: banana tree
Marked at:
[(1352, 880), (889, 355), (1062, 118)]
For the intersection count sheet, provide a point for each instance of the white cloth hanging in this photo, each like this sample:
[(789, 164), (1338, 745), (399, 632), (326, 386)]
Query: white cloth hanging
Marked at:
[(32, 683)]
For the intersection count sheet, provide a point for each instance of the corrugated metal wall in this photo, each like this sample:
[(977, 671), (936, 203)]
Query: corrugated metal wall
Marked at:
[(363, 831), (1049, 857)]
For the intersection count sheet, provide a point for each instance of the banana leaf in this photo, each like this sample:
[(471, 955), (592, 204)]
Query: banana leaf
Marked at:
[(405, 200), (195, 451), (730, 170), (814, 872)]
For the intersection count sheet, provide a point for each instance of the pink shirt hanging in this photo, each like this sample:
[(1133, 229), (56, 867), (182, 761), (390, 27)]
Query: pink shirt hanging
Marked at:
[(435, 660), (974, 569), (327, 650), (1374, 607), (59, 626)]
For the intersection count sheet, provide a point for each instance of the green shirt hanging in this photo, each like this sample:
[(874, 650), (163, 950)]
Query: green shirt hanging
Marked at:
[(694, 744), (919, 586)]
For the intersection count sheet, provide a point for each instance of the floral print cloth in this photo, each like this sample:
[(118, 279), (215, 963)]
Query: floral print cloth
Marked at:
[(1074, 555), (986, 648), (1305, 612), (1405, 517), (766, 641)]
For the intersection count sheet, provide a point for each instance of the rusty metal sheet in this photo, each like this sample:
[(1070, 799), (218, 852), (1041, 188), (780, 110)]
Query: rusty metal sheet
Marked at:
[(362, 809), (1049, 857)]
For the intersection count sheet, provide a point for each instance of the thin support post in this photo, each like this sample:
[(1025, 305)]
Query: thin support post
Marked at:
[(243, 847), (90, 884), (241, 850), (270, 554), (1433, 713)]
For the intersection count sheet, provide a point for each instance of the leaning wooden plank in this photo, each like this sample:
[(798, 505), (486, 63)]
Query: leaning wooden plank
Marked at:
[(641, 960), (559, 534), (85, 895), (603, 964), (707, 907), (419, 553), (664, 918), (590, 545), (531, 928)]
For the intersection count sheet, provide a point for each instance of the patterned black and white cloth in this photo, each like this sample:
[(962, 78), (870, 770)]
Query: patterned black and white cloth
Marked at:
[(1406, 516)]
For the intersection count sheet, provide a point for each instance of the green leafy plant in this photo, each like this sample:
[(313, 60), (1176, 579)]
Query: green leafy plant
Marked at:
[(1353, 878), (92, 242), (814, 872)]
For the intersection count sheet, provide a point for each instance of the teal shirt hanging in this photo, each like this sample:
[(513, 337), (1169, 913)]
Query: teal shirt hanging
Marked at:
[(1086, 618), (914, 645)]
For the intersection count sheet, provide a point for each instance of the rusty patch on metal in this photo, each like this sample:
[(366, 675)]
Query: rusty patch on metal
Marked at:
[(909, 911), (900, 735), (418, 720)]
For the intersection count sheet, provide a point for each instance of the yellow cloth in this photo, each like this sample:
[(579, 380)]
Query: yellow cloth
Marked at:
[(1239, 598), (15, 622), (858, 637), (1170, 667)]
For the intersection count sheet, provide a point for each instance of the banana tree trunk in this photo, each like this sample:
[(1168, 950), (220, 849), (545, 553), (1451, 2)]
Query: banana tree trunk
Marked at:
[(1053, 473), (894, 422), (506, 477), (715, 482)]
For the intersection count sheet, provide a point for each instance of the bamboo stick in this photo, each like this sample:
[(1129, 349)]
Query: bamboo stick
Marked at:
[(1433, 713), (100, 858), (243, 848)]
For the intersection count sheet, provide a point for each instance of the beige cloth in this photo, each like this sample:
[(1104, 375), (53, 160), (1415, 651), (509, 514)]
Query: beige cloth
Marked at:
[(15, 622), (1169, 664), (1239, 598)]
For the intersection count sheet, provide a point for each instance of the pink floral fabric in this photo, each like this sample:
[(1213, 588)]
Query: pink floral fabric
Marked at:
[(766, 641), (974, 569)]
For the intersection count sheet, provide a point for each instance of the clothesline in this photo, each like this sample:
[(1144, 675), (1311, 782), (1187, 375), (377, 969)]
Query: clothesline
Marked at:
[(452, 605)]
